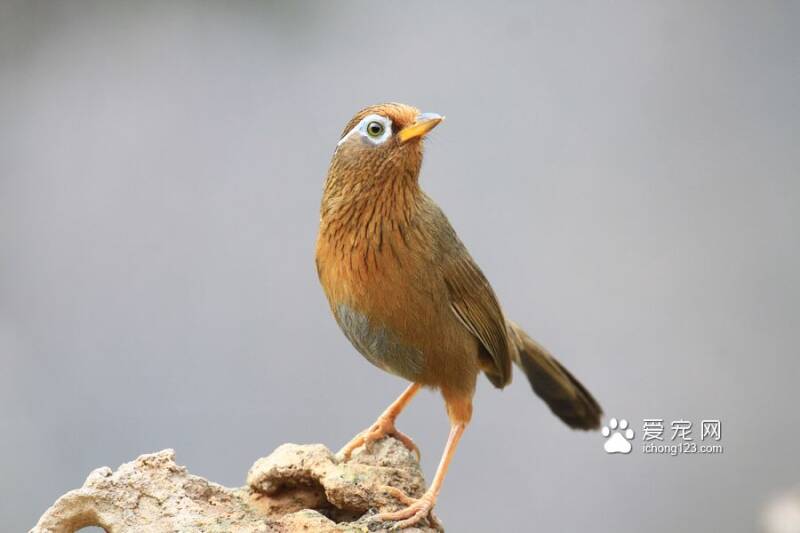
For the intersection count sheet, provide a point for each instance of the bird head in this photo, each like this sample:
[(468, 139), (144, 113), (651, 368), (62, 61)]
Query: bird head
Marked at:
[(382, 141)]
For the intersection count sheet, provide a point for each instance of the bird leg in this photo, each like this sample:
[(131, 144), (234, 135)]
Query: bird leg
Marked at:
[(385, 426), (419, 508)]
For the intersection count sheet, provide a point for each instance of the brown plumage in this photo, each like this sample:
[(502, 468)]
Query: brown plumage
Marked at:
[(408, 295)]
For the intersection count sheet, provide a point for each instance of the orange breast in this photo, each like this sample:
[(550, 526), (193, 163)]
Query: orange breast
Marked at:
[(391, 303)]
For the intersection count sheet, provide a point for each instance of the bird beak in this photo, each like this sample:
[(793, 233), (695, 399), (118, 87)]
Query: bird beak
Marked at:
[(425, 123)]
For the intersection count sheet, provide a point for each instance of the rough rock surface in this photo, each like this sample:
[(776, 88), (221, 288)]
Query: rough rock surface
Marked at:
[(296, 488)]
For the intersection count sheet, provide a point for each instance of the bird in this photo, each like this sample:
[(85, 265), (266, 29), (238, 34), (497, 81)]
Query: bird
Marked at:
[(408, 296)]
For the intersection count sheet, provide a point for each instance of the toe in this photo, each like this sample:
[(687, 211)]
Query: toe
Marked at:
[(349, 448), (418, 517), (416, 510), (407, 442), (399, 495), (411, 515), (376, 432)]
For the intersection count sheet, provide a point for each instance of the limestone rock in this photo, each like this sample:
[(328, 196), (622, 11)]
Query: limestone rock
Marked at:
[(296, 488)]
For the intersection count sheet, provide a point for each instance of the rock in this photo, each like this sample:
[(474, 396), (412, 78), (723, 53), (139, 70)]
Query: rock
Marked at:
[(782, 513), (296, 488)]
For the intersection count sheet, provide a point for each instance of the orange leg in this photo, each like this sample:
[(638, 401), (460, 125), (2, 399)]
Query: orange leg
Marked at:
[(460, 412), (385, 426)]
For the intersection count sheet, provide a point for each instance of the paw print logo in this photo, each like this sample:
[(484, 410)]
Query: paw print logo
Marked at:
[(619, 442)]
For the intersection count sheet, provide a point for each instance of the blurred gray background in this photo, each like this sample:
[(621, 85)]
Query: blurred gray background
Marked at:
[(626, 173)]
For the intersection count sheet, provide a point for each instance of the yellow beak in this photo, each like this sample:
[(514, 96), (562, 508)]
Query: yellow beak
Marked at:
[(425, 123)]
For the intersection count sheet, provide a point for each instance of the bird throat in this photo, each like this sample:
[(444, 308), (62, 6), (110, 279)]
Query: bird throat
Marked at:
[(361, 221)]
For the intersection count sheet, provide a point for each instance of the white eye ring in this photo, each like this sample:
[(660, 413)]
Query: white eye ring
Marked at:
[(366, 125)]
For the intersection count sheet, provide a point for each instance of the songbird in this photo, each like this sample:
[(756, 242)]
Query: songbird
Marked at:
[(410, 298)]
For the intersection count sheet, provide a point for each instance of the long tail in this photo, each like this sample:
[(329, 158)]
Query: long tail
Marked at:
[(566, 397)]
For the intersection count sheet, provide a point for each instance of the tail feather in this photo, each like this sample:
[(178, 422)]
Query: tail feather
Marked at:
[(564, 394)]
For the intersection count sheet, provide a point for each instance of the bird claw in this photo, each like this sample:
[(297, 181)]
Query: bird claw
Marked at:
[(416, 510), (381, 428)]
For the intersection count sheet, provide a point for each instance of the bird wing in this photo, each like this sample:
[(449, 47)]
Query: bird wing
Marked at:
[(474, 303)]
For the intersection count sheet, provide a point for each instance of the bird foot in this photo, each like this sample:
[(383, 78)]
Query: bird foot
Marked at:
[(382, 427), (416, 510)]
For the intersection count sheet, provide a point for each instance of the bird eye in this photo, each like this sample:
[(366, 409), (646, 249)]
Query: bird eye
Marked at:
[(375, 129)]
